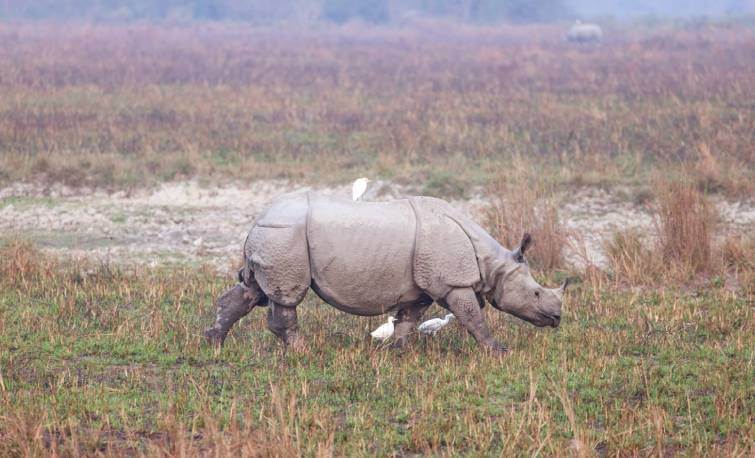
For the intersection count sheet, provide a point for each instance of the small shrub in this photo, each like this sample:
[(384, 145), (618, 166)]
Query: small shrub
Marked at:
[(738, 252), (630, 259), (15, 255), (681, 246), (685, 220)]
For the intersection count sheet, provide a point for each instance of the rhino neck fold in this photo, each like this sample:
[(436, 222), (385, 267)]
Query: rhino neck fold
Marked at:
[(492, 258)]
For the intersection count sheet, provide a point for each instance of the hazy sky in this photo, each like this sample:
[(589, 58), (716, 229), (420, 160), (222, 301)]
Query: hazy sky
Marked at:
[(265, 11), (673, 8)]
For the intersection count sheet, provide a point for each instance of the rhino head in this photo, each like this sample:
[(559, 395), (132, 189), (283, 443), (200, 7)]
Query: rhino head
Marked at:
[(517, 293)]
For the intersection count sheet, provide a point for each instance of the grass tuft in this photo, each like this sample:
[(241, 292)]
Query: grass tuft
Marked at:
[(686, 221), (522, 202), (630, 260)]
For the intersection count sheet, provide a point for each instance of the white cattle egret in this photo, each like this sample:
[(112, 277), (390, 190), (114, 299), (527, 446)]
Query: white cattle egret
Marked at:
[(384, 331), (430, 327), (359, 187)]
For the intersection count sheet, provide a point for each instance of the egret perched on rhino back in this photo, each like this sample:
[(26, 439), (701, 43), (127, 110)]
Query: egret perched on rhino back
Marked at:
[(359, 188), (372, 258)]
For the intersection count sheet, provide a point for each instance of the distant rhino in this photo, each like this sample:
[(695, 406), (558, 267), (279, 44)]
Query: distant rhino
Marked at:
[(583, 33), (371, 258)]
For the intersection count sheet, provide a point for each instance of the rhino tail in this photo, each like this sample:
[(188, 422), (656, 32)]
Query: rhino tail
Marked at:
[(252, 289)]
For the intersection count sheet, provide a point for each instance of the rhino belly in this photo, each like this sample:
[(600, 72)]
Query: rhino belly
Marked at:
[(361, 254)]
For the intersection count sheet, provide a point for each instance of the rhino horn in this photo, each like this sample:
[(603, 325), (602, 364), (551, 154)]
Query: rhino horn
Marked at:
[(562, 289)]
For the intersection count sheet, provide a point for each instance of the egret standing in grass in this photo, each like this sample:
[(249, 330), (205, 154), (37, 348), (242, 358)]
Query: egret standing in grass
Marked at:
[(430, 327), (385, 331), (359, 187)]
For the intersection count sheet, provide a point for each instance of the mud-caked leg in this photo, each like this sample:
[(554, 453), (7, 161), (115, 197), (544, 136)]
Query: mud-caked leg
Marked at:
[(463, 303), (406, 321), (282, 321), (231, 307)]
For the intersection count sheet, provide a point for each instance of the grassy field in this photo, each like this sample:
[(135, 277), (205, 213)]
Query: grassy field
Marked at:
[(655, 352), (99, 360)]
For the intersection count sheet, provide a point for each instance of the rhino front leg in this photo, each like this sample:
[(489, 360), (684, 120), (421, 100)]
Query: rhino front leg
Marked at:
[(282, 321), (463, 303), (231, 307)]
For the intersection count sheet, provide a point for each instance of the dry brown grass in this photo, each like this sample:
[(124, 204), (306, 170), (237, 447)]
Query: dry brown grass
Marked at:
[(111, 363), (631, 260), (738, 253), (273, 433), (682, 246), (129, 105), (522, 202), (686, 221)]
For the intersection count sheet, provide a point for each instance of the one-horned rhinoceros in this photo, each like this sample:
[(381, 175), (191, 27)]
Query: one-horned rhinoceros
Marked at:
[(370, 258)]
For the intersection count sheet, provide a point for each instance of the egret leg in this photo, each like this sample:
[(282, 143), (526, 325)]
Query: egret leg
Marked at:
[(406, 321), (282, 321), (464, 304)]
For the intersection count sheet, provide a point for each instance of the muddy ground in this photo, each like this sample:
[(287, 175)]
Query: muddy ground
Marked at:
[(189, 223)]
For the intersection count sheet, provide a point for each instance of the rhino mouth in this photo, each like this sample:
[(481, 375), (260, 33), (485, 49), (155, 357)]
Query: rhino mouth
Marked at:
[(541, 319), (550, 320)]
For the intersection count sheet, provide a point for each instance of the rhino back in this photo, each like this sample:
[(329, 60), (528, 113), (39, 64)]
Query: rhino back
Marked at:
[(361, 254)]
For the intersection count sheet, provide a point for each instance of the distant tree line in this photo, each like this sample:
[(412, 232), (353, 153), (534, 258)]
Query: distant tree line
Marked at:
[(266, 11)]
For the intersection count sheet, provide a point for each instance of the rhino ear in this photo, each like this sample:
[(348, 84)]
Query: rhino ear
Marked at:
[(567, 281), (526, 242)]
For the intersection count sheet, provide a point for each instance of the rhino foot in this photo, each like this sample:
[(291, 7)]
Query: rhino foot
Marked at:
[(214, 337), (399, 345)]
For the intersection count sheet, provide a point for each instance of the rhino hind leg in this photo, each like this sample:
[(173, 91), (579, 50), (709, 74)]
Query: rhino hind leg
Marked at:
[(464, 303), (406, 321), (231, 307), (283, 322)]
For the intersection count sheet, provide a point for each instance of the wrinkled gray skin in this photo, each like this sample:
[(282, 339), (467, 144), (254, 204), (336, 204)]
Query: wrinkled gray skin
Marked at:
[(371, 258)]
